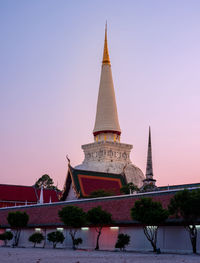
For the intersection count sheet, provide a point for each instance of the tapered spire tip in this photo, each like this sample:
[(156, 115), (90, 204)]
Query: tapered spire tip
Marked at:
[(106, 58)]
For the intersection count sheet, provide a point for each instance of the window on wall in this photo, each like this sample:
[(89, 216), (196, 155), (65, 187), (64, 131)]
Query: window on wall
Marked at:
[(84, 228), (61, 229), (38, 229), (114, 227)]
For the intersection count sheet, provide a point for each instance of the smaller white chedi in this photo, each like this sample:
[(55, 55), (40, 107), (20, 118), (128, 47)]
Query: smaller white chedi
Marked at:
[(107, 154)]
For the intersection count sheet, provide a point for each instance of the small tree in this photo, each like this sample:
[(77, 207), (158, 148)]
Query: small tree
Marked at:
[(46, 181), (36, 238), (186, 205), (101, 193), (150, 214), (99, 218), (73, 217), (56, 237), (128, 188), (17, 221), (6, 236), (123, 240)]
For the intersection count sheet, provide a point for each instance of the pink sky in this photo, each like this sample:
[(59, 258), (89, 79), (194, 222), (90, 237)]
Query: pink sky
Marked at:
[(51, 53)]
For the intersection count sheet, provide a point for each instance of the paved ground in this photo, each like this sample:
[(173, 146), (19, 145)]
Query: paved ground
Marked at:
[(39, 255)]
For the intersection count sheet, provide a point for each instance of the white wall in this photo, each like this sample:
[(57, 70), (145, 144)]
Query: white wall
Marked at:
[(170, 239)]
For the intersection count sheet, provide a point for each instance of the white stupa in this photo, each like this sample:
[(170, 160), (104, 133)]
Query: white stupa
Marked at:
[(107, 154)]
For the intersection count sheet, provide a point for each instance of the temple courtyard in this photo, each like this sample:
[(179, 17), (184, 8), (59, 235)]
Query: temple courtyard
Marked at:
[(39, 255)]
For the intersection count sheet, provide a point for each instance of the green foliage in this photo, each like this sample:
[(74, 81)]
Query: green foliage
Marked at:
[(17, 220), (150, 214), (56, 237), (101, 193), (129, 188), (123, 240), (36, 238), (46, 181), (186, 205), (73, 217), (8, 235), (99, 218)]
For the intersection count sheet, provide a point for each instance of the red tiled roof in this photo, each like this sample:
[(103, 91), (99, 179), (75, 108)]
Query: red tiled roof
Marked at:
[(86, 182), (19, 193), (119, 207), (89, 184)]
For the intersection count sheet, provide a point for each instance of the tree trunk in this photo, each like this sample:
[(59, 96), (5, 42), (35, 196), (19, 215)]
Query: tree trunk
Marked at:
[(44, 244), (151, 234), (193, 236), (194, 245), (98, 236), (73, 234), (16, 238), (154, 246)]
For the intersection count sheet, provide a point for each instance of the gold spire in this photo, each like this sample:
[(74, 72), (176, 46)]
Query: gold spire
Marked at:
[(106, 59)]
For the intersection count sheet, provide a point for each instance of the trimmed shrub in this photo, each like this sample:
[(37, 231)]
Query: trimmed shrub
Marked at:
[(99, 218), (17, 220), (8, 235), (123, 240), (151, 215), (36, 238), (73, 217), (56, 237)]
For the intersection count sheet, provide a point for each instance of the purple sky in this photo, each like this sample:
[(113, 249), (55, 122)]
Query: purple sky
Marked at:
[(50, 54)]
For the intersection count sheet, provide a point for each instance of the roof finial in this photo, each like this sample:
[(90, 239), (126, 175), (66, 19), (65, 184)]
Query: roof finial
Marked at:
[(149, 168), (41, 201), (106, 59), (68, 159), (149, 183)]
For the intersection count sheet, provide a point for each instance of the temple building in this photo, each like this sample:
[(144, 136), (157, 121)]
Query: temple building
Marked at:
[(106, 166), (107, 161)]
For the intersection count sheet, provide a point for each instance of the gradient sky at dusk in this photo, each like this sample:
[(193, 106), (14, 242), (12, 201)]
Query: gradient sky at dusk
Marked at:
[(50, 62)]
